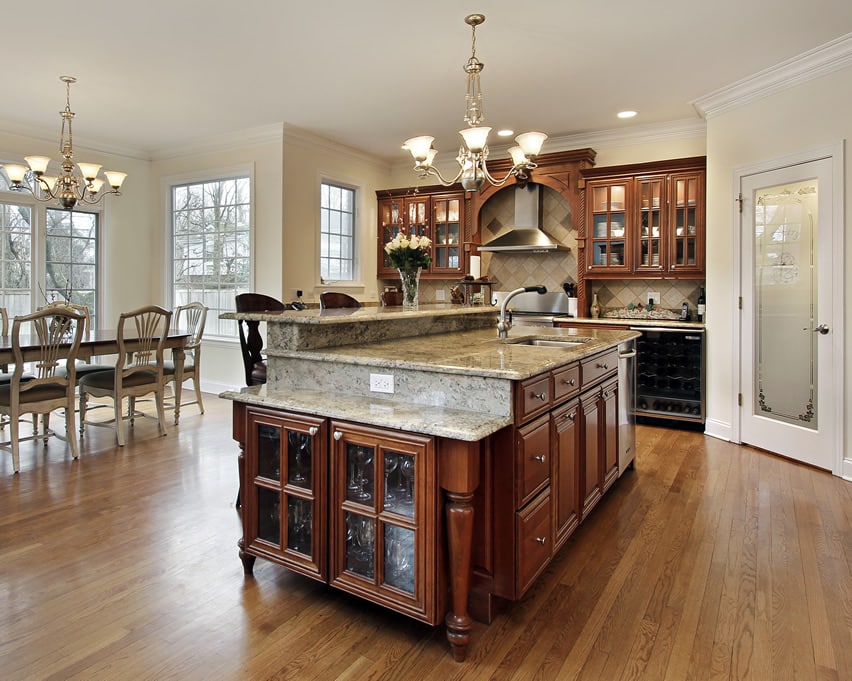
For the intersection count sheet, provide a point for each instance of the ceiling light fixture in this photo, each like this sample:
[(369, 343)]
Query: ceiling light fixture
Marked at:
[(473, 151), (68, 189)]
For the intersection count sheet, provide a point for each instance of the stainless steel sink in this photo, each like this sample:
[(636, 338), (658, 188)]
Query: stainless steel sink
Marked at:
[(551, 342)]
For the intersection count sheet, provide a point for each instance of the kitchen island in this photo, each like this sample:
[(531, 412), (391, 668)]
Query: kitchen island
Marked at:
[(418, 461)]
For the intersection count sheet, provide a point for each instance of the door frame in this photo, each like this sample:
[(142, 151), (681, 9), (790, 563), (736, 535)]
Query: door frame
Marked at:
[(835, 152)]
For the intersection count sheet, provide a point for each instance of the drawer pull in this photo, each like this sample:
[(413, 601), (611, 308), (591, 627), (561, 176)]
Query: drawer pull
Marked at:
[(312, 430), (540, 458), (337, 435), (568, 382), (602, 365), (571, 415), (540, 396), (541, 540)]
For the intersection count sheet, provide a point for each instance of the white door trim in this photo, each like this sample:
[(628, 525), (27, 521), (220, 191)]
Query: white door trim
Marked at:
[(836, 152)]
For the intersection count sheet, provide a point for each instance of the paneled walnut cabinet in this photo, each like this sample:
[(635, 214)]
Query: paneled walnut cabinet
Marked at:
[(548, 471)]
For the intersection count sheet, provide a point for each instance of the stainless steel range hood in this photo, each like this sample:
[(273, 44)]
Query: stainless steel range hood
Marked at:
[(526, 234)]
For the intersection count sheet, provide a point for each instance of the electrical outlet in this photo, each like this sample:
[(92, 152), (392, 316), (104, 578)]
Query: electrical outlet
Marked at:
[(381, 383), (653, 296)]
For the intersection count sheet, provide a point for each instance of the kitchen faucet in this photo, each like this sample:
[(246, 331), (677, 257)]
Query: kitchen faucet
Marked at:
[(505, 322)]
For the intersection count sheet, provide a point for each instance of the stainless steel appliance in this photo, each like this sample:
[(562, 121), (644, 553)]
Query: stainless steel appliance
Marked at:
[(533, 309), (670, 373), (626, 404)]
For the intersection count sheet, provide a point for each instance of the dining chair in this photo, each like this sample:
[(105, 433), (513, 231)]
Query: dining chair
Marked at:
[(58, 331), (81, 368), (251, 342), (335, 299), (190, 318), (138, 370)]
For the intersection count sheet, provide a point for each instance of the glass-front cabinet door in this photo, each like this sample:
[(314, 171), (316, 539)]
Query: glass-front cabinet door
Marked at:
[(686, 231), (607, 242), (382, 511), (651, 206), (391, 221), (448, 228), (285, 462)]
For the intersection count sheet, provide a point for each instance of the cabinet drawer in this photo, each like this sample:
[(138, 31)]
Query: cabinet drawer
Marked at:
[(595, 368), (533, 397), (533, 459), (535, 543), (566, 382)]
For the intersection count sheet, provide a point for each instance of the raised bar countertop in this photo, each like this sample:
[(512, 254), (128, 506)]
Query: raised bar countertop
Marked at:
[(447, 382)]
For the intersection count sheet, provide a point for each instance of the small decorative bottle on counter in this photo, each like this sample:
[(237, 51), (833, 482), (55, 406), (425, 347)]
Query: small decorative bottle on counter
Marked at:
[(701, 306), (595, 310)]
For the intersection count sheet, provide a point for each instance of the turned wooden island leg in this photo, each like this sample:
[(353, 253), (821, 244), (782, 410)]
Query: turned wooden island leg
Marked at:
[(458, 466)]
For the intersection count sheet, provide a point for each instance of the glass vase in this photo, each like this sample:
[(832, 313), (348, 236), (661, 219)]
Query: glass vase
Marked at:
[(410, 279)]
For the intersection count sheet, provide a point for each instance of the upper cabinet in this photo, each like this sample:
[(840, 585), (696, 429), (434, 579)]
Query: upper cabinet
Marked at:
[(439, 215), (645, 220)]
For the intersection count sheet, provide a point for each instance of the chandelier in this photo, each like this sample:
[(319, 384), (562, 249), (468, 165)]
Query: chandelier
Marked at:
[(66, 188), (473, 151)]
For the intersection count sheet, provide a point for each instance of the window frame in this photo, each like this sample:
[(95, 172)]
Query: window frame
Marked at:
[(357, 276), (168, 185)]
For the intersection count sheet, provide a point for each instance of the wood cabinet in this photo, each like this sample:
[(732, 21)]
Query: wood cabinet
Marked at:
[(437, 214), (383, 526), (644, 220), (283, 495)]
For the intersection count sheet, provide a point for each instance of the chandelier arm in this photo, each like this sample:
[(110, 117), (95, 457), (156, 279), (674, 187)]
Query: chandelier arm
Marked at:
[(432, 170)]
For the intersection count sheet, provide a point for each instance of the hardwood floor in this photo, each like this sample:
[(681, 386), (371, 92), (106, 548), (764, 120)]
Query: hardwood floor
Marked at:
[(709, 561)]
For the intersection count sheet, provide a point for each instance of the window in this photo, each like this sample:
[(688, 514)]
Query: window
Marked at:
[(71, 258), (16, 258), (337, 233), (211, 246)]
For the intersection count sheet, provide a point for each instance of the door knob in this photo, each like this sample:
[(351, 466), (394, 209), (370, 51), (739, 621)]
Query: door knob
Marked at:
[(822, 328)]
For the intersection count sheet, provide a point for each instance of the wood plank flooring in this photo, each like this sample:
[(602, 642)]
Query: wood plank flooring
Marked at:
[(709, 561)]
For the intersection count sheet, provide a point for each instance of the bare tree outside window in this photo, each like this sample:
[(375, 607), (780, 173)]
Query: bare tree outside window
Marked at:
[(337, 233), (16, 258), (71, 258), (211, 247)]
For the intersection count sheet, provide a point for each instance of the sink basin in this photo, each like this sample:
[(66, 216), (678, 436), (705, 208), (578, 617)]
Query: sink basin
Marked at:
[(552, 342)]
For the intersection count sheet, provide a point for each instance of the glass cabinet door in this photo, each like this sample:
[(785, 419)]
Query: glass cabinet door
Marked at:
[(447, 245), (609, 227), (651, 204), (391, 221), (285, 469), (687, 229), (417, 218)]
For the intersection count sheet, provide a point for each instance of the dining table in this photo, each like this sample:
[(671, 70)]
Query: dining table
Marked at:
[(104, 342)]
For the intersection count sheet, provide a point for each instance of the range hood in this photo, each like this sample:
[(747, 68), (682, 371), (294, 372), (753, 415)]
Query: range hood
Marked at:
[(526, 234)]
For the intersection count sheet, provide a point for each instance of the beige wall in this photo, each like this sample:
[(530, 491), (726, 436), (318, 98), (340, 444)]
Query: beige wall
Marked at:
[(807, 116)]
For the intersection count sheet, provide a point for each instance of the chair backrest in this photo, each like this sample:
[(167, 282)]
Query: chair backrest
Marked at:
[(58, 331), (141, 336), (191, 317), (390, 298), (4, 321), (251, 342), (333, 299), (82, 309)]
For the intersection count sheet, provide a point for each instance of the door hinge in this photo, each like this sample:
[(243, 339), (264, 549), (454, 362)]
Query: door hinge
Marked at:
[(740, 302), (739, 201), (739, 399)]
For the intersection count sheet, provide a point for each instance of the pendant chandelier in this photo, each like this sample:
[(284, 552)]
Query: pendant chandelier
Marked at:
[(67, 188), (473, 152)]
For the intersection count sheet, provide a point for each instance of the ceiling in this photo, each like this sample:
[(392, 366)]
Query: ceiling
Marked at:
[(160, 74)]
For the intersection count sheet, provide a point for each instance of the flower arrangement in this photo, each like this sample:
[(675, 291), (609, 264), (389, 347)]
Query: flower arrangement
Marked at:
[(408, 252)]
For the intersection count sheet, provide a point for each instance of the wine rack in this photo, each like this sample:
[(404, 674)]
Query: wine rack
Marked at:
[(670, 374)]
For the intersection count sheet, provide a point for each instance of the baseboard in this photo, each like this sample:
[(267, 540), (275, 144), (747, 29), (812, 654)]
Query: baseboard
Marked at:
[(718, 429)]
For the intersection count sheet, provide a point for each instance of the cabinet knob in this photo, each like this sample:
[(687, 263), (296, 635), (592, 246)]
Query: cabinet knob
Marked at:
[(540, 458), (541, 540), (312, 430), (337, 435), (571, 415), (602, 365), (540, 396), (570, 381)]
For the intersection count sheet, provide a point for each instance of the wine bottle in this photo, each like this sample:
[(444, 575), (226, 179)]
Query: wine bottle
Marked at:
[(701, 304)]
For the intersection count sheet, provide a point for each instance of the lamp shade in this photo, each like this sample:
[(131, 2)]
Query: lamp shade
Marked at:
[(518, 156), (97, 183), (419, 146), (15, 172), (38, 164), (115, 178), (531, 143), (475, 139), (89, 170)]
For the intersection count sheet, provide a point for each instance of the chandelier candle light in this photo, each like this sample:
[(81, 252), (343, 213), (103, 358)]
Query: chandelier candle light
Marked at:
[(409, 254), (68, 189), (473, 152)]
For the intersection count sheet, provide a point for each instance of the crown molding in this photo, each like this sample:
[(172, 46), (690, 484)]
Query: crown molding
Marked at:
[(265, 134), (300, 136), (822, 60)]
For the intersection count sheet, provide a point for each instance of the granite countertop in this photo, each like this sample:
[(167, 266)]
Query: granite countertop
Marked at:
[(633, 321), (346, 315)]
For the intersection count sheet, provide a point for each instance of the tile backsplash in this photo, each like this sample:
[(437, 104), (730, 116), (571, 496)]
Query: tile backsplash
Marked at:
[(620, 293)]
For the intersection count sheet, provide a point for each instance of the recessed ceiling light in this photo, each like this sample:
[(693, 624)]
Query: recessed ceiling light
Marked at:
[(505, 133), (626, 114)]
